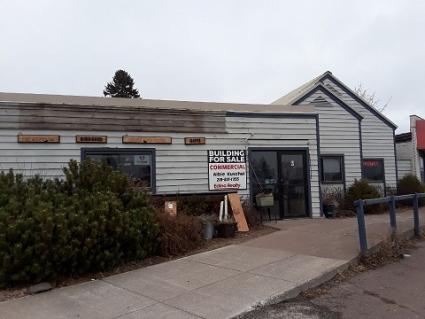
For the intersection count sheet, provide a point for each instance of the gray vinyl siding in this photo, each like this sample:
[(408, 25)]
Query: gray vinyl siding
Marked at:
[(404, 150), (404, 168), (377, 136), (180, 168), (404, 158), (339, 135)]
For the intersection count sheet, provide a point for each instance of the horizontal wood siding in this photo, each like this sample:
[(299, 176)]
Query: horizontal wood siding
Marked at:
[(404, 168), (60, 117), (180, 168), (377, 136), (404, 150), (404, 158), (339, 135)]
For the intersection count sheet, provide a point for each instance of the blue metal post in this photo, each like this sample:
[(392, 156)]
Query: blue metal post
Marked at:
[(393, 221), (416, 214), (362, 226)]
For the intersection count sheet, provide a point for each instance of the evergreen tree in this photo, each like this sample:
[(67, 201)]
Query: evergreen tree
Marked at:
[(121, 86)]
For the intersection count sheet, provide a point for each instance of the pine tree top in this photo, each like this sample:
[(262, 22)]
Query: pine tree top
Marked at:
[(121, 86)]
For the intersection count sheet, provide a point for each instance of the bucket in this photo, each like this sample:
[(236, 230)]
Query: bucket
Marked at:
[(226, 230), (207, 230)]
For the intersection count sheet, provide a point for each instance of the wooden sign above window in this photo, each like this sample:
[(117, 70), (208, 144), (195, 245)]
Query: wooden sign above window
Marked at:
[(146, 140), (194, 140), (38, 138), (92, 139)]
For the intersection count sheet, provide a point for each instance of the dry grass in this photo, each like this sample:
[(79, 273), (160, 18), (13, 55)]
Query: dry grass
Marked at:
[(178, 234)]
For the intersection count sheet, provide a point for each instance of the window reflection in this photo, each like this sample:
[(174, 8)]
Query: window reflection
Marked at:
[(136, 165)]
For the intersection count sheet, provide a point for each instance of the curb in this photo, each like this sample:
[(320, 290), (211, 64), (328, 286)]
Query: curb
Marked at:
[(324, 277), (294, 292)]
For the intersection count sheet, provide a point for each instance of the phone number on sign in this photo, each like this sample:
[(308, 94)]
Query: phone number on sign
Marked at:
[(227, 179)]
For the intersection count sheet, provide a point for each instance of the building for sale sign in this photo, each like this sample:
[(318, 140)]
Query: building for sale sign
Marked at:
[(227, 169)]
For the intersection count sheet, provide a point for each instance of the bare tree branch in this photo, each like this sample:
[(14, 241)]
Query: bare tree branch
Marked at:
[(371, 98)]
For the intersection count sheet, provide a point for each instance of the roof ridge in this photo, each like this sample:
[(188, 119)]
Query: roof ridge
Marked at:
[(362, 100), (294, 94), (303, 89)]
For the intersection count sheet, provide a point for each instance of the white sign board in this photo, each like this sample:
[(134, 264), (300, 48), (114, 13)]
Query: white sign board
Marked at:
[(226, 169), (142, 159)]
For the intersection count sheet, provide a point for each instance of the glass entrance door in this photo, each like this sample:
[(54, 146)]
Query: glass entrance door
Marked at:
[(293, 183), (282, 175), (264, 168)]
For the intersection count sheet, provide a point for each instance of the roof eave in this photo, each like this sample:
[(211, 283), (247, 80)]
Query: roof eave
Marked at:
[(320, 86), (359, 99)]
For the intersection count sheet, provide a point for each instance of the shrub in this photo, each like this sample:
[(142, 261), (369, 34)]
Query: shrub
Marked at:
[(410, 184), (90, 221), (361, 190), (178, 234)]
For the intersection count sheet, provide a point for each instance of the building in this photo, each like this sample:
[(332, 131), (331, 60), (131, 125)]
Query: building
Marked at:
[(319, 136), (356, 140), (411, 149)]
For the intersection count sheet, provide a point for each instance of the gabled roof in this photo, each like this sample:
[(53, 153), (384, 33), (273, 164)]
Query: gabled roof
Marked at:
[(320, 87), (299, 91), (294, 95)]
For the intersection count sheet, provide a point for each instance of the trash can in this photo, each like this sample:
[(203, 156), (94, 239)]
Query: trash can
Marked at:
[(208, 230)]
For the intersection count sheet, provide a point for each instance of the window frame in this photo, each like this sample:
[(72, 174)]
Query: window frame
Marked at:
[(87, 151), (382, 160), (342, 165)]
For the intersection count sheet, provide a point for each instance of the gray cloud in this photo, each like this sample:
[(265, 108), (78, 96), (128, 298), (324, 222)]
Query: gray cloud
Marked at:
[(221, 50)]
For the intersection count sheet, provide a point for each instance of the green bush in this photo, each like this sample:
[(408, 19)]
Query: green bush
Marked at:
[(90, 221), (361, 189), (410, 184)]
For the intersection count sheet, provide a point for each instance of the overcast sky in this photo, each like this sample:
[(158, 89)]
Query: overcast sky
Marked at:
[(216, 50)]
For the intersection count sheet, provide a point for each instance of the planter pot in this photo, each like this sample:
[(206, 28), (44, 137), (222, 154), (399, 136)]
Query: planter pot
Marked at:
[(208, 230), (329, 210), (264, 200), (226, 230)]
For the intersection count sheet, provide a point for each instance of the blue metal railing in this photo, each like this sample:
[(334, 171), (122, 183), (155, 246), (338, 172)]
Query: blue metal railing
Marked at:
[(391, 201)]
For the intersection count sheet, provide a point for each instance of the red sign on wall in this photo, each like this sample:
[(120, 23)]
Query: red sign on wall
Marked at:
[(420, 134), (371, 163)]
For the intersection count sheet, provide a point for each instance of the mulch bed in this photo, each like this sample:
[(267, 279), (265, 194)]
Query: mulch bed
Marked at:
[(215, 243)]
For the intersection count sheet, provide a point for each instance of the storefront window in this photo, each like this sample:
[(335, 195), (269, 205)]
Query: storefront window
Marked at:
[(332, 169), (373, 170), (136, 163)]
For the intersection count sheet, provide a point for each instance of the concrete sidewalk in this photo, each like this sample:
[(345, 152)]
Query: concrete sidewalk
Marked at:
[(222, 283), (393, 291)]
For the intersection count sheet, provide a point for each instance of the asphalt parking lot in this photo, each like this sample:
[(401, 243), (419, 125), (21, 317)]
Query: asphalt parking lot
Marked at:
[(396, 290)]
